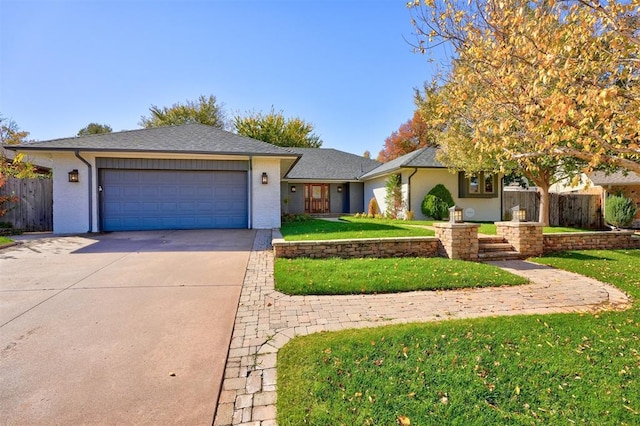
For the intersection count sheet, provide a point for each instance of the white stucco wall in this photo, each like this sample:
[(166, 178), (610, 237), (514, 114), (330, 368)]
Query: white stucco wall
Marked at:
[(71, 200), (484, 209), (265, 208)]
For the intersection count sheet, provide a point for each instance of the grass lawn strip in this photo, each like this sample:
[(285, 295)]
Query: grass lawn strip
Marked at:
[(5, 240), (318, 229), (304, 276), (551, 369)]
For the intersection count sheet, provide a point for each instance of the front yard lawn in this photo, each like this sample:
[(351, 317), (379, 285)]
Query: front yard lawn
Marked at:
[(546, 369), (370, 275), (5, 240), (350, 228), (490, 229)]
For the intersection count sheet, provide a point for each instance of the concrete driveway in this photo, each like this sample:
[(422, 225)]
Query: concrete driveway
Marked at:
[(122, 328)]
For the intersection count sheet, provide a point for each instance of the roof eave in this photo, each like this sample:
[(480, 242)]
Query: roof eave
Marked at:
[(155, 151)]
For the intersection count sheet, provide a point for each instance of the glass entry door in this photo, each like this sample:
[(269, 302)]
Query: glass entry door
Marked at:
[(316, 198)]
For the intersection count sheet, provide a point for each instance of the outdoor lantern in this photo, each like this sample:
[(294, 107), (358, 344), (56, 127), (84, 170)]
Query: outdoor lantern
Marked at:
[(293, 189), (455, 214), (339, 189), (74, 176), (265, 178), (518, 215)]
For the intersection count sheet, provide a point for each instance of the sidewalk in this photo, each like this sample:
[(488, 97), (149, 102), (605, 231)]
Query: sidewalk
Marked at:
[(267, 319)]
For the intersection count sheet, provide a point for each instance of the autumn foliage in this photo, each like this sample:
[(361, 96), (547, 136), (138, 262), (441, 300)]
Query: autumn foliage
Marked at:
[(536, 84), (412, 135)]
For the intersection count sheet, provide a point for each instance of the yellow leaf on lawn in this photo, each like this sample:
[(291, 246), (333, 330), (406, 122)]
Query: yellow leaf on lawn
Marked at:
[(404, 421)]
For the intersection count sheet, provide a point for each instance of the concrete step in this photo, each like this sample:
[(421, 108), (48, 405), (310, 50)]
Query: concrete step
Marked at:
[(499, 255), (491, 240), (487, 247)]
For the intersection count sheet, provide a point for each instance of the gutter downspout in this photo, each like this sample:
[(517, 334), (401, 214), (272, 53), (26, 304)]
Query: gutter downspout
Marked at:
[(250, 201), (77, 153), (415, 170)]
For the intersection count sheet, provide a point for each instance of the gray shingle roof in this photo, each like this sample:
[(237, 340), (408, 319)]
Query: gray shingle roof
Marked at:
[(329, 164), (420, 158), (618, 178), (186, 138)]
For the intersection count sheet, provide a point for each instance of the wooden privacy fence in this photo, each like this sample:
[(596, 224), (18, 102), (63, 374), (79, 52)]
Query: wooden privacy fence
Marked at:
[(571, 210), (34, 210)]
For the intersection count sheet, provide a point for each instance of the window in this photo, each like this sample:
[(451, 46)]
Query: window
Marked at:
[(483, 185)]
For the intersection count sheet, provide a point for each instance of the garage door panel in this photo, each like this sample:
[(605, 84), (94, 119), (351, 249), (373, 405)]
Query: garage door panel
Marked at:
[(172, 199)]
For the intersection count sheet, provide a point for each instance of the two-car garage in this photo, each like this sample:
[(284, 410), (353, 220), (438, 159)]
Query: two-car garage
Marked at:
[(142, 194), (188, 176)]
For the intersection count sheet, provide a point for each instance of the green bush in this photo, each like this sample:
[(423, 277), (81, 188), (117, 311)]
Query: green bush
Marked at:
[(443, 193), (434, 207), (437, 202), (619, 211)]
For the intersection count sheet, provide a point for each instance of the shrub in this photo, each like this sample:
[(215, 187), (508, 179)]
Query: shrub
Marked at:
[(443, 193), (393, 198), (434, 207), (437, 202), (409, 215), (290, 218), (619, 211), (373, 207)]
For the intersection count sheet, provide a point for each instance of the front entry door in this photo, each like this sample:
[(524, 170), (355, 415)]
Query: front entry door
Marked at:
[(316, 198)]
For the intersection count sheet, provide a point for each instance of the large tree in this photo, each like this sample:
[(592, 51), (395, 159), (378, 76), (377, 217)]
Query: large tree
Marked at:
[(540, 83), (411, 135), (94, 129), (566, 72), (206, 110), (10, 134), (276, 129)]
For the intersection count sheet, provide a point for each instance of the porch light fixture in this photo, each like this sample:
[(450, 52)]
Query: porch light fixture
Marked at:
[(265, 178), (455, 214), (293, 189), (340, 189), (518, 215), (74, 176)]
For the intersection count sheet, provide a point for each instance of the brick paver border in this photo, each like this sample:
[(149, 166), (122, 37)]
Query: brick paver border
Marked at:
[(267, 319)]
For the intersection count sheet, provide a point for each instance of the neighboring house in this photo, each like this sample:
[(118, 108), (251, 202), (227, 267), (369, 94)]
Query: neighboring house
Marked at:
[(325, 181), (604, 184), (180, 177), (480, 196)]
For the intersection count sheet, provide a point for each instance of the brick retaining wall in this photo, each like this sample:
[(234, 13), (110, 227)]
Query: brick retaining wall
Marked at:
[(348, 249), (600, 240), (429, 246)]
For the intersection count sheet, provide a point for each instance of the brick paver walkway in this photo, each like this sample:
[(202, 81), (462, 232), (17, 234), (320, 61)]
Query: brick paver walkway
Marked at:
[(267, 319)]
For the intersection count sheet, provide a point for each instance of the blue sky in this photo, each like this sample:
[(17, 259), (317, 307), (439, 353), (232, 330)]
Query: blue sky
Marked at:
[(344, 66)]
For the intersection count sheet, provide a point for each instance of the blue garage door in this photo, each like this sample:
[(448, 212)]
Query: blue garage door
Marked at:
[(172, 199)]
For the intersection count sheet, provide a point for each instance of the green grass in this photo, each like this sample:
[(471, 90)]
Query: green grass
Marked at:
[(490, 229), (558, 229), (549, 369), (5, 240), (353, 276), (318, 229), (388, 221)]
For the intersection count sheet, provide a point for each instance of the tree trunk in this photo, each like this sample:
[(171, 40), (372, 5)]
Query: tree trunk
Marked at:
[(544, 204)]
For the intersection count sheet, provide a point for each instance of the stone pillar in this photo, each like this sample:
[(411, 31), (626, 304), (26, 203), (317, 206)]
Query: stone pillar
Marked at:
[(525, 237), (457, 240)]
